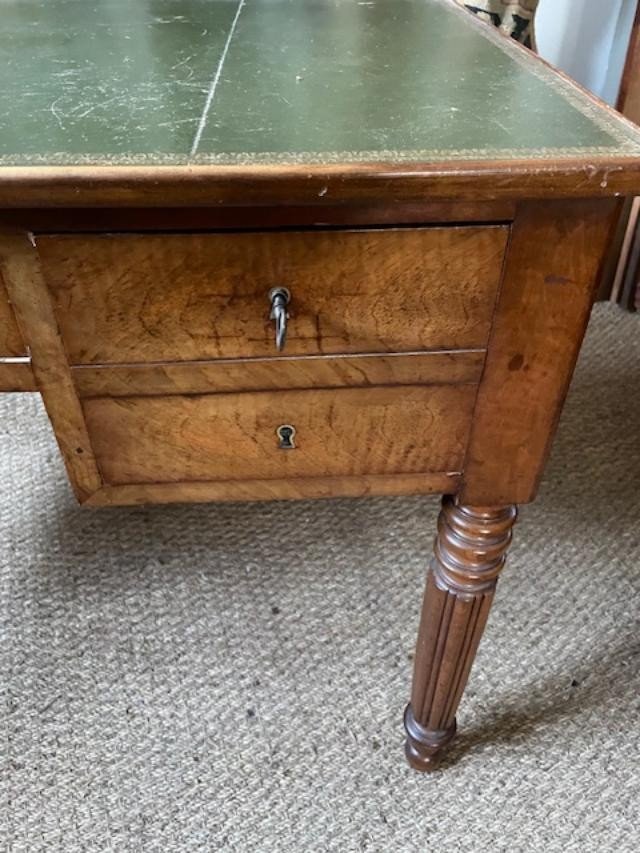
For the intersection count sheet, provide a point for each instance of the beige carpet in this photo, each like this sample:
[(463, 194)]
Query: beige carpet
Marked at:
[(233, 677)]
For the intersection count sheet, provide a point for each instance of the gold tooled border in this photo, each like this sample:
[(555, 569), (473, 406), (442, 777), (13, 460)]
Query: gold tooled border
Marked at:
[(622, 132)]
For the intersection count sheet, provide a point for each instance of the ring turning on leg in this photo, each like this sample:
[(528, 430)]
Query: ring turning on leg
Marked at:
[(470, 552)]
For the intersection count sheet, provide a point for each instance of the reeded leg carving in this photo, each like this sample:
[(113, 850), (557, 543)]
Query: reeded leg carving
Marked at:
[(470, 551)]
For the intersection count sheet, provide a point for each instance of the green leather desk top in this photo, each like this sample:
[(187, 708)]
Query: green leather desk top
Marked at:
[(173, 82)]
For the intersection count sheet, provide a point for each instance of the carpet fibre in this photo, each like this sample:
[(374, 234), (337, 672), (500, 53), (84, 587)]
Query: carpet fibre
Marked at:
[(232, 677)]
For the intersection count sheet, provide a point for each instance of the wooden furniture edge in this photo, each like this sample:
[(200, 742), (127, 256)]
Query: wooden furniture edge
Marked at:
[(456, 367), (552, 267), (31, 301), (371, 215), (316, 184), (291, 489)]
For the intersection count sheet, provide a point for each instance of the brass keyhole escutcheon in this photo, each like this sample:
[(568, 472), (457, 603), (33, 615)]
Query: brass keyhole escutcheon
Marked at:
[(286, 437)]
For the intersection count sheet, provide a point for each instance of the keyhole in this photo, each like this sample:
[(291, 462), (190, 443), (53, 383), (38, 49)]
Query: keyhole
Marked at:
[(286, 435)]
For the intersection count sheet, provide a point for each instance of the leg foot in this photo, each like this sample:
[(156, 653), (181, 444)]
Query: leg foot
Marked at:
[(423, 748), (470, 551)]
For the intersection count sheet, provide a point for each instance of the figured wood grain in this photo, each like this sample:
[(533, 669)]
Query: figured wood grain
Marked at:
[(20, 269), (17, 375), (552, 269), (299, 488), (128, 298), (11, 343), (346, 432), (197, 377)]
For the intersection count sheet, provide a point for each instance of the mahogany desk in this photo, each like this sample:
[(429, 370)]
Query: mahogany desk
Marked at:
[(296, 248)]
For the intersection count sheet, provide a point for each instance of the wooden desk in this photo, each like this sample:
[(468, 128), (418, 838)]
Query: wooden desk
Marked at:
[(433, 200)]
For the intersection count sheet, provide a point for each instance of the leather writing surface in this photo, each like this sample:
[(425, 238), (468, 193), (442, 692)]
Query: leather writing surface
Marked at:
[(246, 81)]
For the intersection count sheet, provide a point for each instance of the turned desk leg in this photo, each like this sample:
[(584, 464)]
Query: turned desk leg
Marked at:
[(470, 551)]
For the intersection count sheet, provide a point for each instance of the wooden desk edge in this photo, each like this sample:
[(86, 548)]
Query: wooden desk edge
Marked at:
[(271, 490), (315, 184)]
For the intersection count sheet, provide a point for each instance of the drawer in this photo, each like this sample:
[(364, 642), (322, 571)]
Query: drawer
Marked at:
[(338, 432), (130, 298)]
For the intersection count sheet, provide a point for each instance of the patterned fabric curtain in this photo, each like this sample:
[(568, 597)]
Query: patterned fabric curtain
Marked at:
[(514, 17)]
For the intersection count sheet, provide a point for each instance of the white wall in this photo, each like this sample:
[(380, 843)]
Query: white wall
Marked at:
[(588, 39)]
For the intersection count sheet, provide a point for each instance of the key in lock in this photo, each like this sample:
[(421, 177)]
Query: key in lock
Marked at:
[(286, 437)]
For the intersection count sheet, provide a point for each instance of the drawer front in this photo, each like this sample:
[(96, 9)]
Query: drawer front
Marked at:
[(147, 298), (338, 432), (279, 374)]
